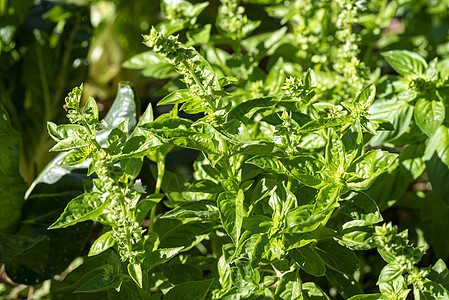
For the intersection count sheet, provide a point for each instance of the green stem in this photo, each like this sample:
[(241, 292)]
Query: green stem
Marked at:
[(160, 176)]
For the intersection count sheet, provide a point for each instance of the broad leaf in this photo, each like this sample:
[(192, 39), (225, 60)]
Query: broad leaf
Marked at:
[(429, 115), (230, 206), (337, 257), (436, 157), (405, 62), (194, 290), (85, 207), (12, 188), (308, 260)]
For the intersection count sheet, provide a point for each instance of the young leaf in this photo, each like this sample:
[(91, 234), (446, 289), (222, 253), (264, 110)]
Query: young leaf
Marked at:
[(158, 257), (178, 96), (135, 271), (366, 96), (102, 243)]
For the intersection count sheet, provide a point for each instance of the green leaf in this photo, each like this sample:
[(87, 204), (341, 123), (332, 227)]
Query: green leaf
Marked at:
[(74, 158), (308, 260), (312, 291), (202, 209), (368, 167), (335, 151), (276, 77), (366, 96), (289, 287), (230, 205), (390, 272), (395, 288), (429, 115), (306, 169), (13, 245), (12, 188), (100, 282), (436, 157), (269, 164), (159, 257), (70, 143), (61, 132), (174, 233), (135, 271), (256, 148), (145, 205), (398, 113), (85, 207), (159, 71), (102, 243), (357, 235), (178, 96), (125, 106), (368, 297), (337, 257), (245, 110), (360, 206), (345, 284), (193, 290), (405, 62), (143, 60), (90, 109), (440, 273)]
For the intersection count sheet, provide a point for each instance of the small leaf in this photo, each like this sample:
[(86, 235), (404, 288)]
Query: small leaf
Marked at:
[(90, 110), (366, 96), (158, 257), (178, 96), (135, 271), (102, 243), (289, 287), (275, 78)]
